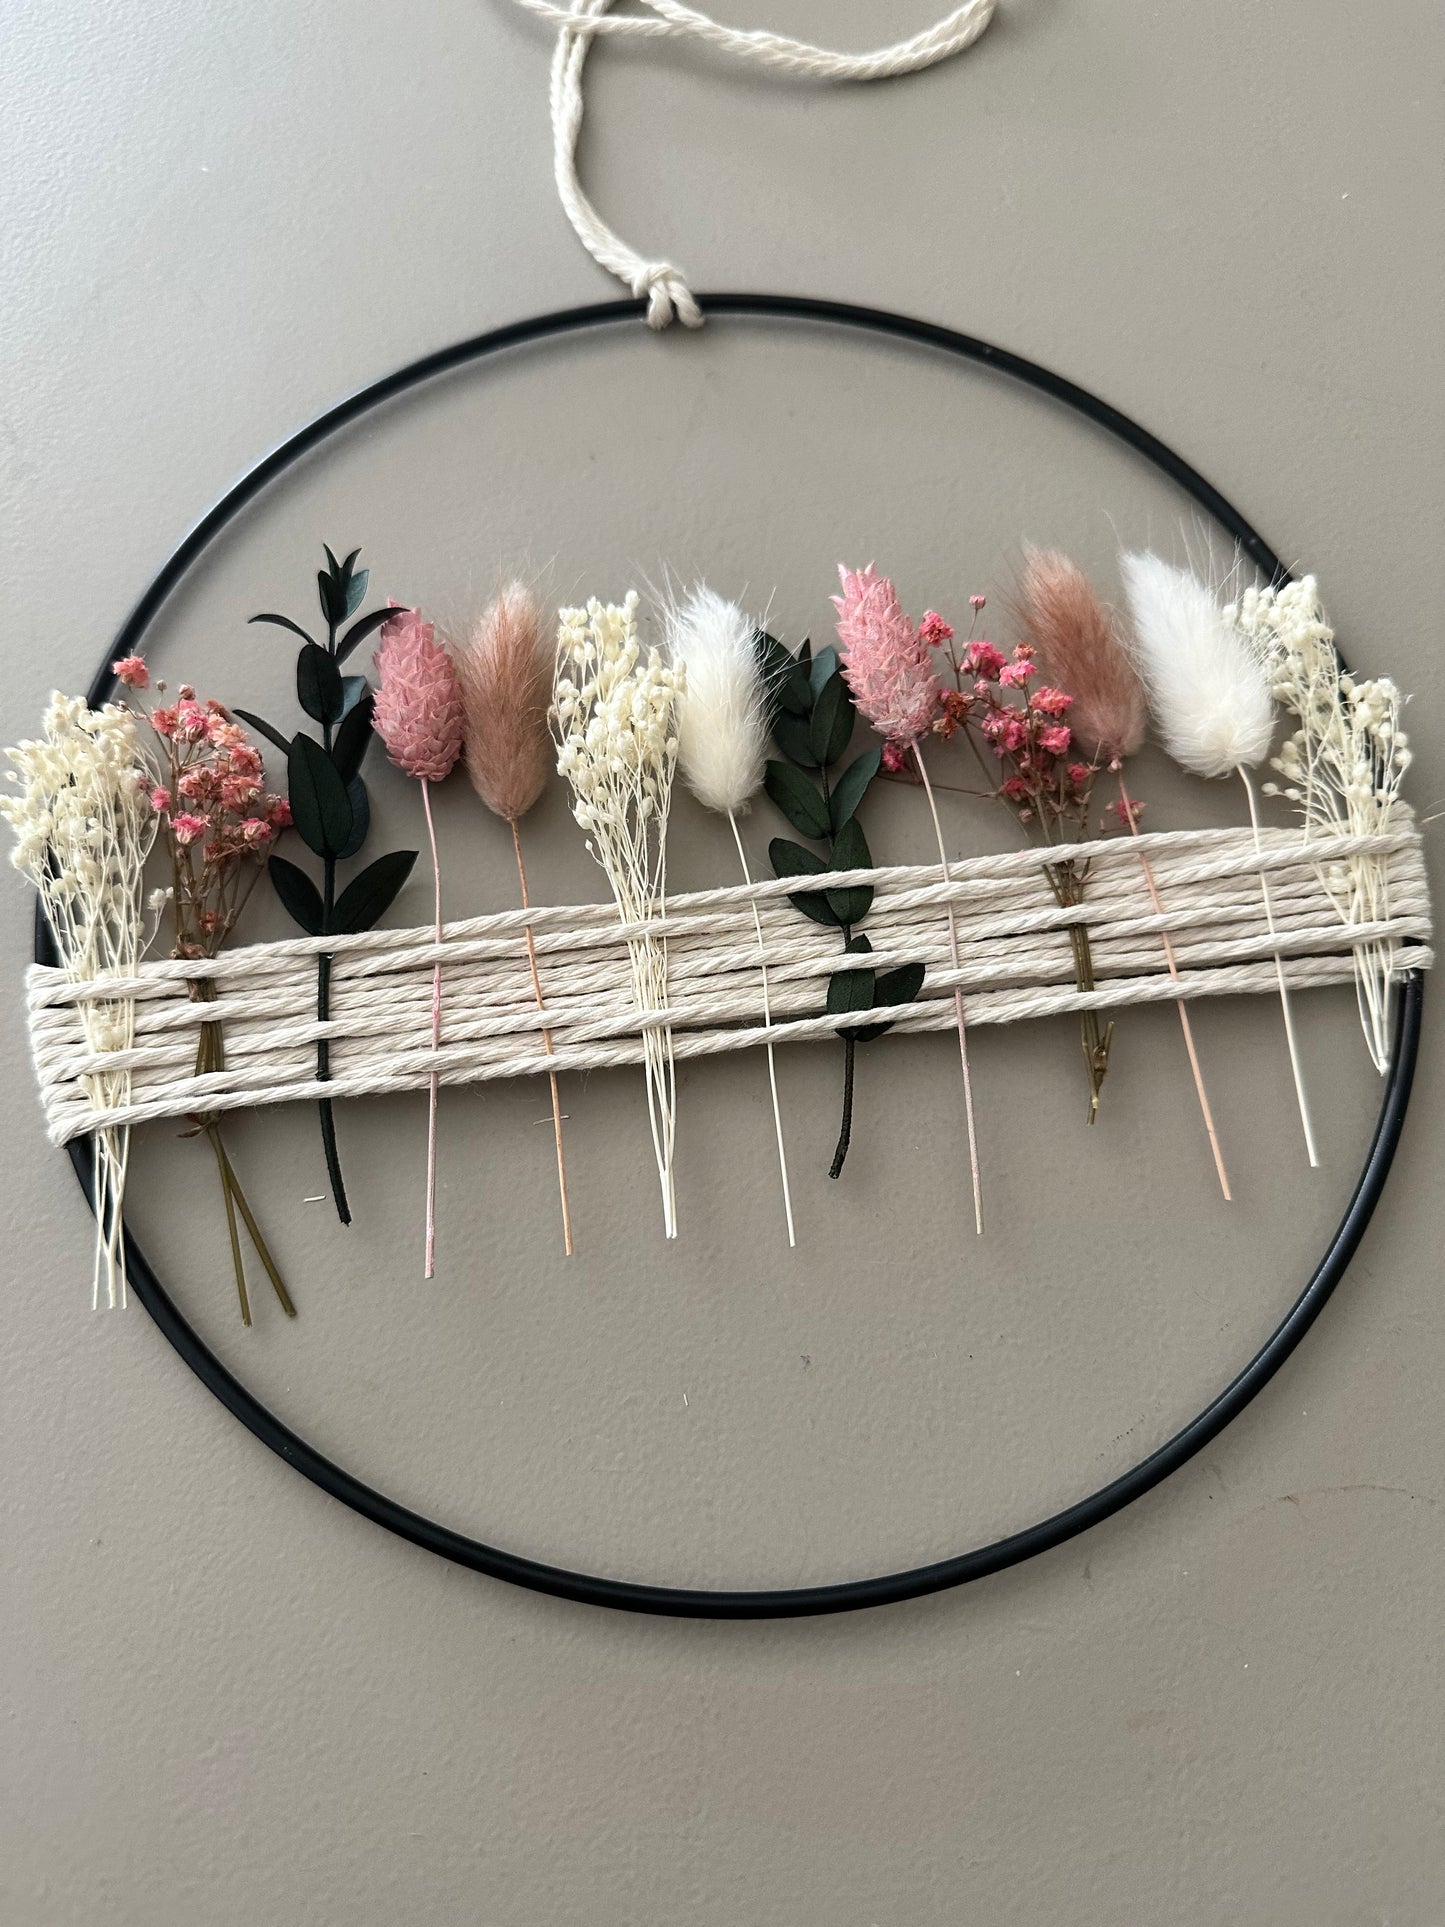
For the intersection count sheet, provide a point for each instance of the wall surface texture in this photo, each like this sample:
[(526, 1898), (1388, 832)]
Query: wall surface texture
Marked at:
[(227, 1701)]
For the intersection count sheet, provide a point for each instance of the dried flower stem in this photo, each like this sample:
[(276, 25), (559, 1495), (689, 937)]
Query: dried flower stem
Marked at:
[(1286, 1008), (546, 1043), (433, 1083), (973, 1164), (767, 1025), (1132, 819)]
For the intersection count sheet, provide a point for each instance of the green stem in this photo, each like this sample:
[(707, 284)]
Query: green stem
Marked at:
[(845, 1135), (214, 1136), (323, 1044), (262, 1251)]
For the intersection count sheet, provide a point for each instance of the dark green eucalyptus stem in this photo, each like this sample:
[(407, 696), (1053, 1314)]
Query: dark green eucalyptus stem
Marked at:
[(845, 1134), (329, 806), (323, 1000)]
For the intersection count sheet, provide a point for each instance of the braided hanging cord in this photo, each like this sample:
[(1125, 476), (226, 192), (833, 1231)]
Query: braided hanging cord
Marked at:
[(663, 284)]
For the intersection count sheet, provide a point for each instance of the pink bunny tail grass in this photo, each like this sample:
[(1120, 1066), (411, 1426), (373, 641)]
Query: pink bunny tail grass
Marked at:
[(888, 667), (418, 703), (419, 718), (505, 673), (1077, 640)]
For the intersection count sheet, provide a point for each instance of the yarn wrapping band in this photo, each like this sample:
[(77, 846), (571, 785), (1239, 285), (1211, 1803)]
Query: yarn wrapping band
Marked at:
[(1015, 961)]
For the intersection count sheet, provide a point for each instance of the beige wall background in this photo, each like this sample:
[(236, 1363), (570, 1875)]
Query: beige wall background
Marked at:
[(228, 1701)]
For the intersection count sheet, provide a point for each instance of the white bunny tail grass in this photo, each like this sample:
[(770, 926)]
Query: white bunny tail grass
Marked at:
[(1211, 695), (722, 748), (722, 720), (1208, 687)]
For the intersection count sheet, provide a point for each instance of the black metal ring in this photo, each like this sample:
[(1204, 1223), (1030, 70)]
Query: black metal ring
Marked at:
[(849, 1595)]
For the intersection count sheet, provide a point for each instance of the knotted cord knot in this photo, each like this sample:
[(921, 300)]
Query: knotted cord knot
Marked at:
[(668, 296)]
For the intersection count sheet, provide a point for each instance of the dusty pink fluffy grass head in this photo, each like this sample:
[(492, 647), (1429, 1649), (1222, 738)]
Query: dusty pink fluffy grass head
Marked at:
[(506, 679), (1077, 640), (418, 705), (888, 666)]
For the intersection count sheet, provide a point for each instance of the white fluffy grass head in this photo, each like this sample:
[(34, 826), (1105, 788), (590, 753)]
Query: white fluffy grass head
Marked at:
[(1208, 688), (722, 721)]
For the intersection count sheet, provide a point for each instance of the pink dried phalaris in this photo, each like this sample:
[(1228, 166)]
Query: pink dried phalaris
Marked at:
[(1077, 640), (505, 672), (418, 703)]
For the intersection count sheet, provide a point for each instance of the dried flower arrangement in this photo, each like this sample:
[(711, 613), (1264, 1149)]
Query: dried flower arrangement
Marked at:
[(329, 804), (813, 722), (1044, 720), (1078, 643), (889, 668), (505, 674), (84, 825), (1343, 768), (1213, 705), (218, 823), (418, 716), (722, 752), (614, 720)]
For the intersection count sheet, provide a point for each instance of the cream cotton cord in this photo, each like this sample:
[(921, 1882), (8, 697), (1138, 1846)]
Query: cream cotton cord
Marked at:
[(578, 25)]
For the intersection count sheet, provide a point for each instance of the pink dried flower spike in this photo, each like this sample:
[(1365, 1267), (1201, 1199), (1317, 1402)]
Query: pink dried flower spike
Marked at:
[(419, 718), (888, 665), (505, 669)]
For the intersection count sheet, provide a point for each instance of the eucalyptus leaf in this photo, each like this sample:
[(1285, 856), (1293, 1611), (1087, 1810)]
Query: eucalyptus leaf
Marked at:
[(823, 665), (898, 986), (359, 631), (299, 896), (851, 786), (332, 598), (353, 688), (354, 737), (283, 743), (850, 852), (282, 622), (831, 728), (799, 800), (792, 860), (356, 587), (318, 684), (368, 896), (785, 683), (320, 807), (849, 991), (360, 819), (790, 733)]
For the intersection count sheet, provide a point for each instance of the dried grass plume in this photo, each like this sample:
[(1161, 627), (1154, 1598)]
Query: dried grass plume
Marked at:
[(505, 672), (1079, 645), (722, 721)]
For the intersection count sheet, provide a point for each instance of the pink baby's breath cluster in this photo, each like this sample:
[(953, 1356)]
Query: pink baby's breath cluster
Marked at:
[(217, 818), (887, 662), (418, 704), (1021, 720)]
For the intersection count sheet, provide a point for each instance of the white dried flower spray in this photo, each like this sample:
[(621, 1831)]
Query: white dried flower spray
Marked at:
[(722, 749), (84, 827), (614, 720), (1211, 697), (1343, 769)]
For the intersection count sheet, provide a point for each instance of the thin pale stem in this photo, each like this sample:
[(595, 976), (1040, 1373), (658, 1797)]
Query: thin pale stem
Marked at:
[(546, 1044), (957, 999), (1284, 997), (235, 1236), (1131, 817), (433, 1082), (767, 1025)]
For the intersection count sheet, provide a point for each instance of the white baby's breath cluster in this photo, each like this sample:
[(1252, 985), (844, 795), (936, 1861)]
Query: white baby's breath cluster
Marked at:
[(84, 826), (1343, 768), (614, 720)]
